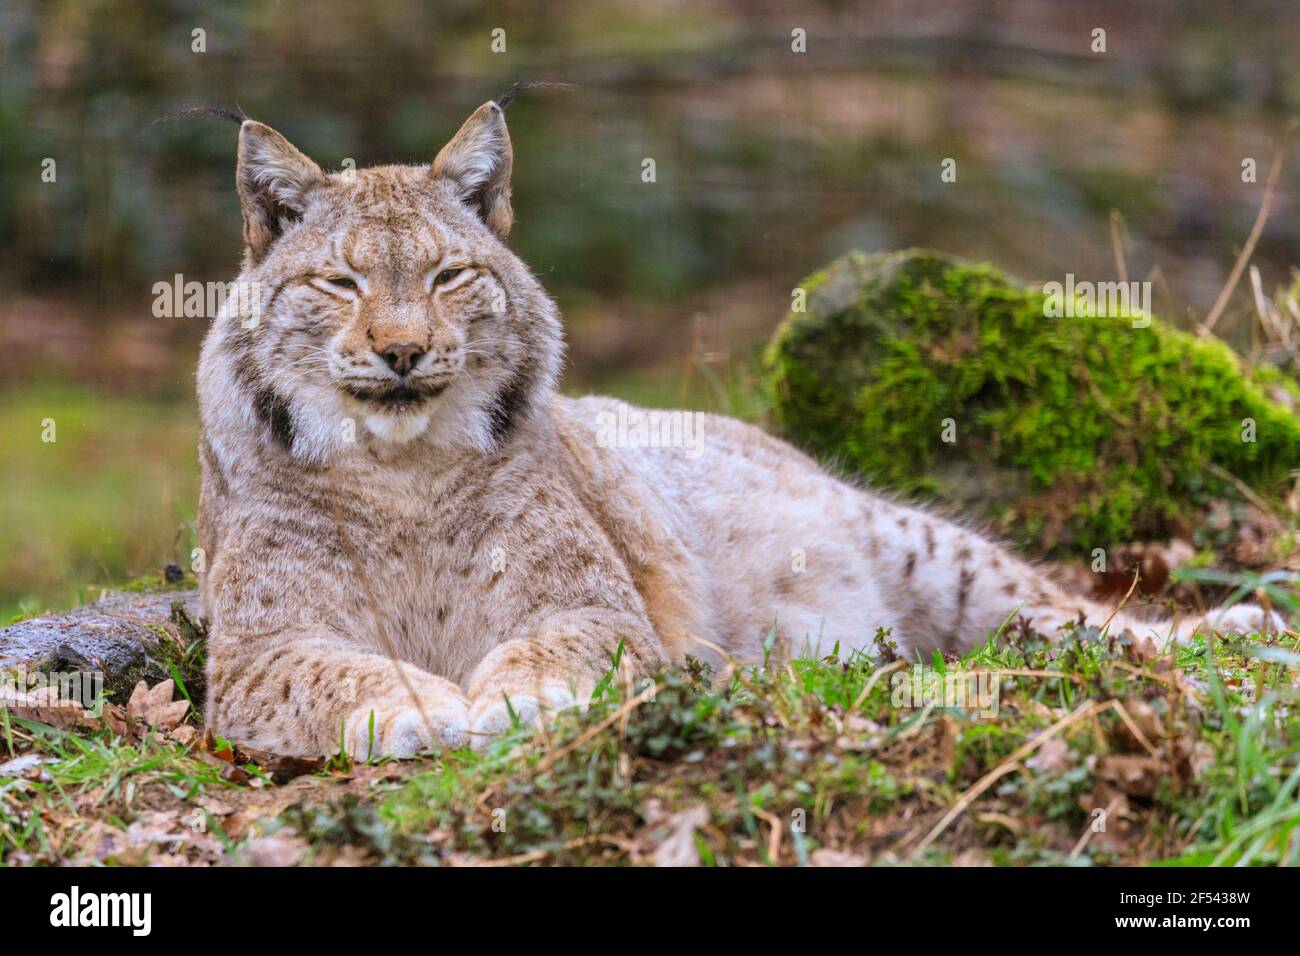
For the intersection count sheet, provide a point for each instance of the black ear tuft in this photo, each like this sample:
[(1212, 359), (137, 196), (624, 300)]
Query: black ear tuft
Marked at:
[(235, 116), (520, 86), (506, 98)]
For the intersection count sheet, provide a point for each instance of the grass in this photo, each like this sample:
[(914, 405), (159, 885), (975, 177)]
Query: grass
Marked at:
[(110, 498), (794, 762), (789, 763)]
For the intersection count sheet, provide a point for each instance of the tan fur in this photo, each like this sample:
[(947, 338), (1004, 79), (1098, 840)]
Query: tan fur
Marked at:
[(476, 525)]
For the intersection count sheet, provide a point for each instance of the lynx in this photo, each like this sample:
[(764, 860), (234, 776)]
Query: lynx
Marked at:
[(413, 541)]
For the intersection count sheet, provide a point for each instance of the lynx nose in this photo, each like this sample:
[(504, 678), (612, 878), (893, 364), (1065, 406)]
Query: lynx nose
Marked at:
[(402, 357)]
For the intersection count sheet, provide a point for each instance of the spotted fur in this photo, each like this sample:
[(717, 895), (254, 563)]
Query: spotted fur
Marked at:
[(390, 556)]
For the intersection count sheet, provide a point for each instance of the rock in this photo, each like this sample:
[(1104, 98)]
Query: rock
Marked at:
[(123, 635), (949, 381)]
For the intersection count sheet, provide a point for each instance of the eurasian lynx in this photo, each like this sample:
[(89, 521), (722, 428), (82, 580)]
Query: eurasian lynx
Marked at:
[(387, 469)]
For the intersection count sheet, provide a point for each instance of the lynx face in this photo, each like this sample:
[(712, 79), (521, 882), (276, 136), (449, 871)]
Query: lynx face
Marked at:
[(388, 299)]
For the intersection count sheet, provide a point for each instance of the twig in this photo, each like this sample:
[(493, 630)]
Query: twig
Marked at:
[(532, 856), (725, 676), (873, 681), (1133, 727), (774, 838), (1119, 607), (732, 669), (1180, 686), (1010, 765), (1088, 831), (549, 760), (1248, 249), (1241, 486), (1117, 243), (552, 756)]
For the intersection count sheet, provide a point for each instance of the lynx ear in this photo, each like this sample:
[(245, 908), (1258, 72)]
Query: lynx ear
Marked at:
[(478, 161), (274, 179)]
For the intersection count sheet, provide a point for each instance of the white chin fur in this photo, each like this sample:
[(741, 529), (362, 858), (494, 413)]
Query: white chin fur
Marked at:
[(396, 428)]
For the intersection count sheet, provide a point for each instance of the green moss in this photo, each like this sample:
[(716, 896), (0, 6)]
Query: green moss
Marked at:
[(1070, 433)]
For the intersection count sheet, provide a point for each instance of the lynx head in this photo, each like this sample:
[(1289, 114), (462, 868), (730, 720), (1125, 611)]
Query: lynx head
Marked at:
[(380, 306)]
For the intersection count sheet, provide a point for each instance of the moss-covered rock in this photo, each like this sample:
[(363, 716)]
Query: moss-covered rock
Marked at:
[(945, 379)]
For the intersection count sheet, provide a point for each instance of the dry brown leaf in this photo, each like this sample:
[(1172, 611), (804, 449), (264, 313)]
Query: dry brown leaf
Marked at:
[(279, 768), (1190, 757), (1053, 756), (282, 849), (66, 715), (218, 808), (115, 719), (156, 837), (185, 735), (154, 706), (1142, 650)]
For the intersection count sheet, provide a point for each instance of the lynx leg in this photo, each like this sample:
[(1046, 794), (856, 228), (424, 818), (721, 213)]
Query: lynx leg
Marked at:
[(303, 696), (556, 668)]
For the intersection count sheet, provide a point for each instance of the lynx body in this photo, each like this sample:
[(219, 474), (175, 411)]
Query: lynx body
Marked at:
[(405, 525)]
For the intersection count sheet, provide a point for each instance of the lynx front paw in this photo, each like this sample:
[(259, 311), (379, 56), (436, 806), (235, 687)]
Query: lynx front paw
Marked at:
[(490, 716), (404, 731)]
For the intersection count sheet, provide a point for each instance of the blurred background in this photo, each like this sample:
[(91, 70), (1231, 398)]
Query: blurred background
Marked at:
[(768, 164)]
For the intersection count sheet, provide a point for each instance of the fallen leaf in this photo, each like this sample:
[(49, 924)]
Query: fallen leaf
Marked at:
[(1141, 650), (185, 735), (27, 766), (279, 768), (154, 706), (678, 848), (1053, 756), (156, 826), (282, 849), (66, 715), (1011, 824), (218, 808)]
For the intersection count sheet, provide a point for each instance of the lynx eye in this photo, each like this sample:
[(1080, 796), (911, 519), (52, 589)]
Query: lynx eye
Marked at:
[(446, 275), (343, 282)]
